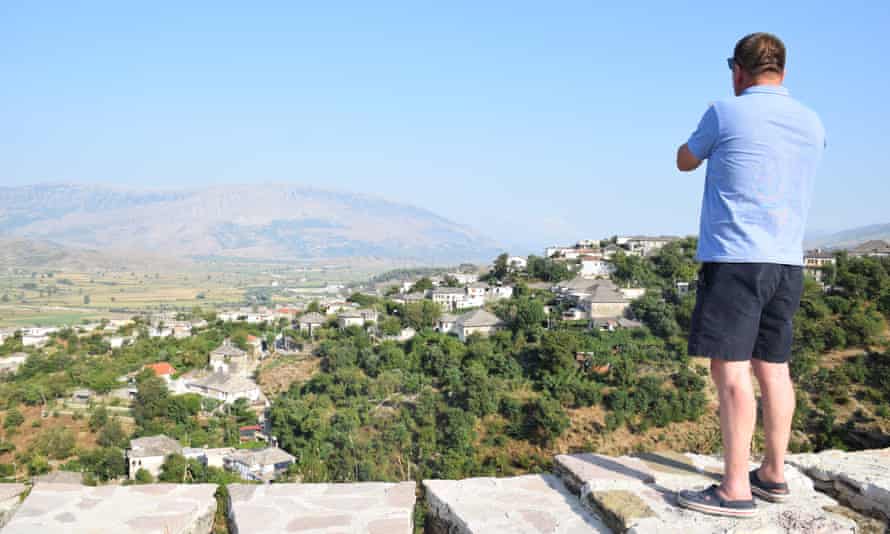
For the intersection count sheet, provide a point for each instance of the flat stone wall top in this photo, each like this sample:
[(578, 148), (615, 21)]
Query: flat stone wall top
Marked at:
[(152, 508), (638, 495), (527, 504), (367, 507), (860, 479), (11, 491)]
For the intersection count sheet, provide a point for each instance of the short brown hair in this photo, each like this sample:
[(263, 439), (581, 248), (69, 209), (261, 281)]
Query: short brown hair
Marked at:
[(760, 52)]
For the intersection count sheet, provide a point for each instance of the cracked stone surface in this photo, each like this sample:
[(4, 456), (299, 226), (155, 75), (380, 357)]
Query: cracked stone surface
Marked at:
[(360, 508), (638, 495), (9, 501), (859, 479), (530, 504), (152, 508)]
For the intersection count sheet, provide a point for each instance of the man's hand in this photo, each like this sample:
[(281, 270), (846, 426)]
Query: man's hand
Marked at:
[(686, 160)]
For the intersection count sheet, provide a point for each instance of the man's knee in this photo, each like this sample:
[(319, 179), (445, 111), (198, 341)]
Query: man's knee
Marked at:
[(771, 373), (730, 376)]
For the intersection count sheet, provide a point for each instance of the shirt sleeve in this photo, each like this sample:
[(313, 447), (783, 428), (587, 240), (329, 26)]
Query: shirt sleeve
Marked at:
[(703, 139)]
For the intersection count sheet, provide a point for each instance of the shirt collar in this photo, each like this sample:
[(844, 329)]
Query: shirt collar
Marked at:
[(767, 89)]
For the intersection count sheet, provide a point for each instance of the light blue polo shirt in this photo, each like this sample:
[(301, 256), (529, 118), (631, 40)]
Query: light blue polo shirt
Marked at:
[(763, 149)]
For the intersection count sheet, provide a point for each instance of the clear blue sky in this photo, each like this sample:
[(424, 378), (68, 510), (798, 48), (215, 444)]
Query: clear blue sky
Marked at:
[(535, 122)]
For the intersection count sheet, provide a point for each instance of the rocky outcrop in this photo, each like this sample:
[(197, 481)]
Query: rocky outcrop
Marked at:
[(10, 498), (154, 508), (860, 480), (362, 508)]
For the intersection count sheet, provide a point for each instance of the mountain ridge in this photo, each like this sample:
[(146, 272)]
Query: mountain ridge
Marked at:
[(851, 237), (267, 221)]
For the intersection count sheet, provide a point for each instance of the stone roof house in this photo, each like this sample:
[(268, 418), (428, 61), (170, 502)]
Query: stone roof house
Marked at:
[(149, 453), (477, 322), (227, 358), (225, 387), (259, 465)]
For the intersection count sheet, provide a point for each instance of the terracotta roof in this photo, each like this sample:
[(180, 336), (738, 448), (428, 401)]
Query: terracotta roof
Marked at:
[(161, 368)]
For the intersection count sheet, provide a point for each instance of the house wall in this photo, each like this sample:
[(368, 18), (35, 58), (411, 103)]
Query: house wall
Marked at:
[(467, 331), (152, 464), (603, 310)]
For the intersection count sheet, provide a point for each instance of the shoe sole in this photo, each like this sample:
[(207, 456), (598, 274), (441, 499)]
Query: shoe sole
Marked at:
[(715, 510), (769, 496)]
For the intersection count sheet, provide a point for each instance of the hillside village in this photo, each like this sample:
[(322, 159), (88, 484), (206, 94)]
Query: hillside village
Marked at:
[(227, 427)]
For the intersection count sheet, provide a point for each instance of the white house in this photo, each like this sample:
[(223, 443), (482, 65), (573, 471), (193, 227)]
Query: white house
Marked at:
[(310, 322), (227, 358), (477, 289), (595, 266), (464, 278), (210, 457), (603, 300), (10, 364), (357, 318), (149, 453), (258, 465), (445, 324), (477, 322), (644, 245), (225, 387), (499, 292), (448, 297), (404, 335), (517, 263)]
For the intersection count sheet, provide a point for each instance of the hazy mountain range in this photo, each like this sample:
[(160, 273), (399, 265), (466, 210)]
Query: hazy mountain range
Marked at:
[(267, 222), (851, 237)]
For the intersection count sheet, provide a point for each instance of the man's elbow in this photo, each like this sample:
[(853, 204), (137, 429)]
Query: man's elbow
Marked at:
[(686, 161)]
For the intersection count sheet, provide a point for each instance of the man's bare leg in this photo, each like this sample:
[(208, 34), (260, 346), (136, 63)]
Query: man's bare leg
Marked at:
[(777, 393), (737, 418)]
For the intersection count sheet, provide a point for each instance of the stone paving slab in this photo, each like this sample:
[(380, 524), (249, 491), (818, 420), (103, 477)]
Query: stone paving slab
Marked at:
[(9, 500), (360, 508), (859, 479), (529, 504), (640, 497), (141, 509)]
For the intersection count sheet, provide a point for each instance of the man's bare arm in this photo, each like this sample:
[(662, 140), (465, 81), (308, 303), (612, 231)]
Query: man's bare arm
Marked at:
[(686, 161)]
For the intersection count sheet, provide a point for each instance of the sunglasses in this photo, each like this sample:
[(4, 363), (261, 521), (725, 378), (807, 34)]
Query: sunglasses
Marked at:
[(731, 62)]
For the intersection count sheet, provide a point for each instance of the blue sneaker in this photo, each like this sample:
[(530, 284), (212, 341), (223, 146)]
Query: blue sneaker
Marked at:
[(768, 491), (708, 501)]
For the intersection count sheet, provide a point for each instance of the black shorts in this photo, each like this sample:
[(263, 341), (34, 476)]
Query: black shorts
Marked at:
[(745, 310)]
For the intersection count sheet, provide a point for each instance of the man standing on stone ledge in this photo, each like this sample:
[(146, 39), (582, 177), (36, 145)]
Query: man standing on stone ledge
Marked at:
[(763, 148)]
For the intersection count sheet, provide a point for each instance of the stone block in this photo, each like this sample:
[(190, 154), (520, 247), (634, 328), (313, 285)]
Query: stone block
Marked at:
[(529, 504), (10, 498), (643, 501), (360, 508), (143, 509), (858, 479)]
